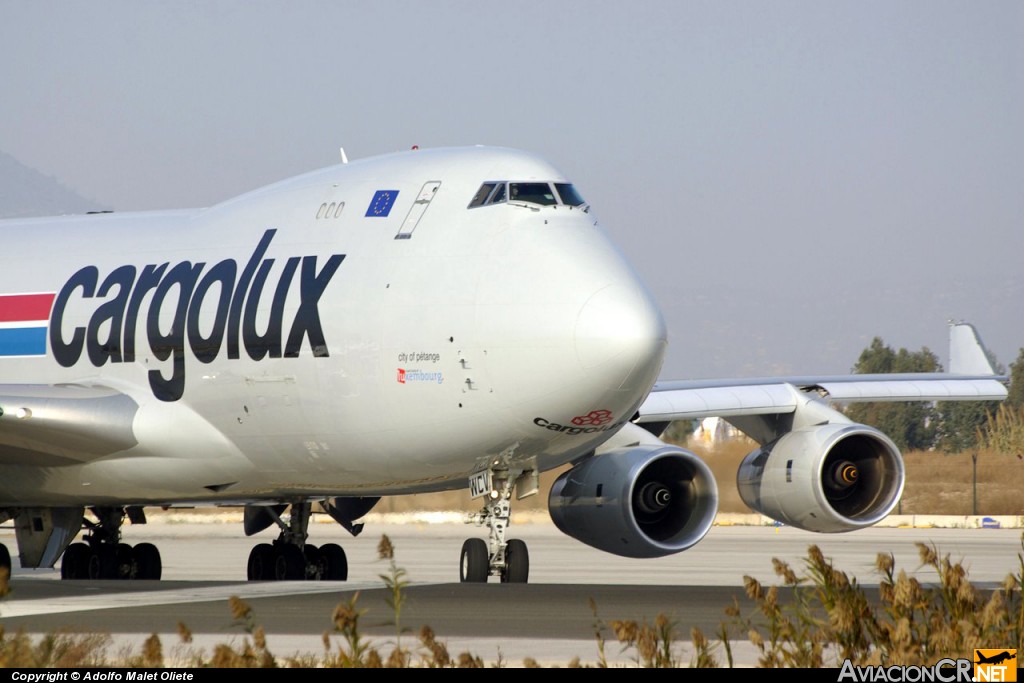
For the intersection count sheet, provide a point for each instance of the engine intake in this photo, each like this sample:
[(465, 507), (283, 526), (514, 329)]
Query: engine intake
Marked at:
[(827, 478), (642, 501)]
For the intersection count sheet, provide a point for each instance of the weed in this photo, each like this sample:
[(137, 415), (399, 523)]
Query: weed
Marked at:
[(820, 617), (830, 619)]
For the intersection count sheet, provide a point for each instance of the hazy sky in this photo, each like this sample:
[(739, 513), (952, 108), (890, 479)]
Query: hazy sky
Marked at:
[(792, 178)]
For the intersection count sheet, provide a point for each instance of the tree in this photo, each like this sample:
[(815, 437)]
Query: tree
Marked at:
[(1004, 431), (912, 426), (1016, 397), (961, 423)]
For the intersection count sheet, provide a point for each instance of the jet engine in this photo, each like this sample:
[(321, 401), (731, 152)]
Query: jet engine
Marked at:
[(640, 501), (826, 478)]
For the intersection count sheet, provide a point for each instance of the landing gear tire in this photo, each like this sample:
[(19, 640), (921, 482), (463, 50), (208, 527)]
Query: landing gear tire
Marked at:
[(335, 562), (102, 563), (290, 557), (75, 564), (103, 555), (124, 562), (289, 563), (315, 564), (474, 566), (261, 563), (517, 562), (5, 559), (147, 562)]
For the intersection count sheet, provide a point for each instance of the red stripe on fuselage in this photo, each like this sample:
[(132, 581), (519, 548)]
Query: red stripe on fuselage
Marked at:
[(25, 307)]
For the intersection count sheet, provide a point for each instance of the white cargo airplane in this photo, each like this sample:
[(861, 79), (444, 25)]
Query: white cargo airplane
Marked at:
[(416, 322)]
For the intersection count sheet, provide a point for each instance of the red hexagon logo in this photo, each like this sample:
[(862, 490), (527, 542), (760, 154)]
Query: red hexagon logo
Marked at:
[(595, 418)]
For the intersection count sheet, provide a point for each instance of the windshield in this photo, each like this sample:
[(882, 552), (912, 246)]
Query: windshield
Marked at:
[(542, 193), (569, 194)]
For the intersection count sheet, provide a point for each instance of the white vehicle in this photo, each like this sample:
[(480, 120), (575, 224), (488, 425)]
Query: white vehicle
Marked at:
[(422, 321)]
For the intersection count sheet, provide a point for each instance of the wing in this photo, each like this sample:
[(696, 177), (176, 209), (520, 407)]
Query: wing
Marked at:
[(815, 468), (971, 378)]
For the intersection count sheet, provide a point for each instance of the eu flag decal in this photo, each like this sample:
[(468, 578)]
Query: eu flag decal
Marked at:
[(380, 205), (23, 321)]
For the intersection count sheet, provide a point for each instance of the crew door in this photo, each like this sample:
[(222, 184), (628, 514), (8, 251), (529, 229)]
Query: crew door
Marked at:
[(419, 207)]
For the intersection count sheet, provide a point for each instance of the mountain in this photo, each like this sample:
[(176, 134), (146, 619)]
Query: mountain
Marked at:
[(26, 192)]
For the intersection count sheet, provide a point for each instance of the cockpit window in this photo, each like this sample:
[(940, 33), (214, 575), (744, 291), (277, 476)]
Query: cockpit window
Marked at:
[(535, 193), (499, 194), (544, 194), (492, 192), (569, 194), (482, 194)]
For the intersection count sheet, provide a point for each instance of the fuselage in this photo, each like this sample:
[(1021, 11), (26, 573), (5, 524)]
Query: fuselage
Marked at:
[(359, 330)]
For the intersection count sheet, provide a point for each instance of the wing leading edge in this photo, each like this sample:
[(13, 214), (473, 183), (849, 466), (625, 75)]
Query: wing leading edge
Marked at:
[(971, 378)]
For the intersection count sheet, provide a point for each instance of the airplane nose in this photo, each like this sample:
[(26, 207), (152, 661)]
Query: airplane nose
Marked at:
[(620, 333)]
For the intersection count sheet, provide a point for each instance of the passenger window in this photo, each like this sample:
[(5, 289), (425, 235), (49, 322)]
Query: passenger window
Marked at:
[(535, 193)]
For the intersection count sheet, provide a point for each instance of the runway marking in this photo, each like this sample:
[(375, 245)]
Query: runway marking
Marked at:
[(83, 603)]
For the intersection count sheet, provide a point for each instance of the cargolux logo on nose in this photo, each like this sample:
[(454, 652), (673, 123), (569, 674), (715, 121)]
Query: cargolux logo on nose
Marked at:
[(594, 418), (593, 422)]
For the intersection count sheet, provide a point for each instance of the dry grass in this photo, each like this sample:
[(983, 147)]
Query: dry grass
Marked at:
[(829, 617), (937, 483), (724, 460)]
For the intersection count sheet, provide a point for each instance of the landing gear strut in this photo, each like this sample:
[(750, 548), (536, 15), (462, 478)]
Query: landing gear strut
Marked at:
[(290, 558), (507, 559), (103, 556)]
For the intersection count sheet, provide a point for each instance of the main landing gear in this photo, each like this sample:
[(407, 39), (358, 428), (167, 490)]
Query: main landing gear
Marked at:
[(103, 556), (290, 558), (5, 559), (507, 559)]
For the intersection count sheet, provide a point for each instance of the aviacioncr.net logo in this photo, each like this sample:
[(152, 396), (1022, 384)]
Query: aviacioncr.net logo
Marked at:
[(995, 665)]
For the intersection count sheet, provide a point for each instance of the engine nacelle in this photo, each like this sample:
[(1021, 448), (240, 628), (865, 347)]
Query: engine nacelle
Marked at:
[(640, 501), (826, 478)]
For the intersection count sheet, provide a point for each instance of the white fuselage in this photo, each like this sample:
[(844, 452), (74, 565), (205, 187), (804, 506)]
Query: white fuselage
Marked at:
[(481, 334)]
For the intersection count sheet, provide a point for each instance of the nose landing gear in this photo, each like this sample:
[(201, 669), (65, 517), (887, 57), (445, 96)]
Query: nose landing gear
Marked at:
[(507, 559)]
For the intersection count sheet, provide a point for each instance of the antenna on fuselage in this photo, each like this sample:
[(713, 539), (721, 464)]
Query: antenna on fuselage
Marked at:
[(344, 159)]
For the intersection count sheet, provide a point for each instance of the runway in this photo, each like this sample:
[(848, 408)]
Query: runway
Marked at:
[(550, 619)]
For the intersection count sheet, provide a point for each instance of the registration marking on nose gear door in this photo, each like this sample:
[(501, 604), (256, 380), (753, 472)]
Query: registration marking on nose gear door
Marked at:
[(479, 484)]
